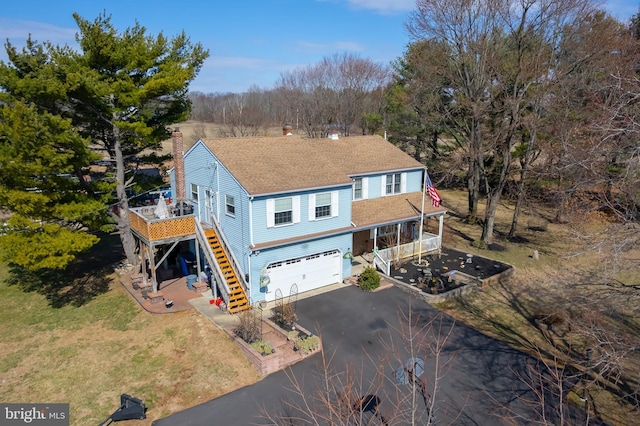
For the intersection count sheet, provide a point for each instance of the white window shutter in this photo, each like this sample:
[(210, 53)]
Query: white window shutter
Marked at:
[(383, 187), (365, 188), (312, 207), (271, 213), (335, 195), (403, 182), (295, 205)]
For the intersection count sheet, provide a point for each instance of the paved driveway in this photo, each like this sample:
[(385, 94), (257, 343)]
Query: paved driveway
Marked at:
[(358, 330)]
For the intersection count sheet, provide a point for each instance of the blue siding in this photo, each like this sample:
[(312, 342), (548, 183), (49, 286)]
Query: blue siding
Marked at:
[(263, 234), (203, 169), (259, 261), (376, 182), (249, 225)]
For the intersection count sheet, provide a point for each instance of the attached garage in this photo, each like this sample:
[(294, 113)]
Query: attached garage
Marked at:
[(308, 273)]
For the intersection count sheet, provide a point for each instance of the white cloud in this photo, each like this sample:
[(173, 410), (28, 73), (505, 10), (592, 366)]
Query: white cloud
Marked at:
[(17, 32)]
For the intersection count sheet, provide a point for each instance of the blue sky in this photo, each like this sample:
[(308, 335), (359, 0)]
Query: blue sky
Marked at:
[(250, 41)]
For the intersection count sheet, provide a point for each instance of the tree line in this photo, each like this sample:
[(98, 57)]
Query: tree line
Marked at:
[(534, 99)]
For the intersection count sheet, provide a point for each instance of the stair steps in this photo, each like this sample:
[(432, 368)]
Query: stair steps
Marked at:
[(238, 301)]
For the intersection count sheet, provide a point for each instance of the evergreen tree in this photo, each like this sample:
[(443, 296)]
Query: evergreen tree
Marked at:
[(120, 91)]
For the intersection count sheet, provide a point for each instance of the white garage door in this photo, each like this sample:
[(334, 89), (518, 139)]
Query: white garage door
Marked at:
[(308, 273)]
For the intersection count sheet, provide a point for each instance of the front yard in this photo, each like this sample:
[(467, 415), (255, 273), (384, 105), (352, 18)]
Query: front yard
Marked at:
[(87, 356)]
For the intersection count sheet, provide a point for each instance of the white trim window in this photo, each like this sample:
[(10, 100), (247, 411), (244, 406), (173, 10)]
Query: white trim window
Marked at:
[(230, 205), (283, 211), (357, 189), (323, 205), (394, 183), (194, 192)]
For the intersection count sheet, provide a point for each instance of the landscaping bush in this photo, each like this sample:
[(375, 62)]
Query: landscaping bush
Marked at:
[(307, 344), (249, 328), (262, 346), (285, 315), (369, 279)]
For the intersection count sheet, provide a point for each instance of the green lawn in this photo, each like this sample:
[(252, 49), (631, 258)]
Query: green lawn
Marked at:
[(88, 355)]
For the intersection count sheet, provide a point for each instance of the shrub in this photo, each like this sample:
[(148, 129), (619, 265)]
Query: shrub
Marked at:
[(307, 344), (285, 315), (249, 327), (369, 279), (262, 346)]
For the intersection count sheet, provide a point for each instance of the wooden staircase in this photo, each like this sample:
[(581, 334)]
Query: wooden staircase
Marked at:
[(237, 297)]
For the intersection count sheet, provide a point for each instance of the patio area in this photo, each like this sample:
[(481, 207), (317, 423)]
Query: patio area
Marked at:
[(173, 293)]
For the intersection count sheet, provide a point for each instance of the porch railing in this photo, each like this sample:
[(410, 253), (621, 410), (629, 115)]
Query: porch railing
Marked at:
[(430, 243), (380, 263)]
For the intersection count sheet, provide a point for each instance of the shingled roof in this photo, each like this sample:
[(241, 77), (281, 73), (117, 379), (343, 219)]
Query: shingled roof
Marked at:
[(268, 165), (391, 209)]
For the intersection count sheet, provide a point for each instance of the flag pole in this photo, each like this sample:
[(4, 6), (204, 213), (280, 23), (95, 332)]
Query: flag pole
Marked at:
[(424, 189)]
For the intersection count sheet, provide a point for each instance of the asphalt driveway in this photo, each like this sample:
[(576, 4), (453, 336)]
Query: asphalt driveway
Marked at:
[(362, 334)]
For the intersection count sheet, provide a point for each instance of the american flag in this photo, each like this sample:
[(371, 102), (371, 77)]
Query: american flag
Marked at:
[(431, 190)]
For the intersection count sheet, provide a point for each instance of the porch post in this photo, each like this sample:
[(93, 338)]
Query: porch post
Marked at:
[(375, 237), (398, 243), (440, 226), (143, 264), (152, 267), (198, 267)]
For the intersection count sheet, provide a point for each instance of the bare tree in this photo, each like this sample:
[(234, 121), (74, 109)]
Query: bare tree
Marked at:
[(243, 115), (401, 389), (333, 94), (500, 54)]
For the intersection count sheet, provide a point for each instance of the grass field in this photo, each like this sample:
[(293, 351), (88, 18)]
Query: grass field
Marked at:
[(88, 353), (578, 273)]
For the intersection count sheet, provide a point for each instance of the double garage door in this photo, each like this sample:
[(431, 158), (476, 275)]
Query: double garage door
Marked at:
[(307, 273)]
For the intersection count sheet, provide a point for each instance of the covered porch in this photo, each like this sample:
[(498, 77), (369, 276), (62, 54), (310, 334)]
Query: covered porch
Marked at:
[(396, 227)]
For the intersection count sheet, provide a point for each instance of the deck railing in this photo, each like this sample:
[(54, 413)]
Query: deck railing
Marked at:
[(144, 221)]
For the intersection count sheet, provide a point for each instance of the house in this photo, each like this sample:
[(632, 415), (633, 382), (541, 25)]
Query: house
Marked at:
[(277, 216)]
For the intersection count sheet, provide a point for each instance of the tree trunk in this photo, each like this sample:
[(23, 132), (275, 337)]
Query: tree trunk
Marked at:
[(493, 198), (473, 179), (528, 156), (124, 226)]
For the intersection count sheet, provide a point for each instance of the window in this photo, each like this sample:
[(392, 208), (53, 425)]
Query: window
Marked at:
[(194, 192), (357, 189), (231, 205), (323, 205), (393, 184), (283, 211)]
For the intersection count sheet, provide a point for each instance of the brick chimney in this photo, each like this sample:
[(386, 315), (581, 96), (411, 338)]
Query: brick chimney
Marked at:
[(178, 164)]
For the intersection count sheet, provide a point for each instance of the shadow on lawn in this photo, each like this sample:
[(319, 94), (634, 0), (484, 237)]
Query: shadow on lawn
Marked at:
[(85, 278)]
